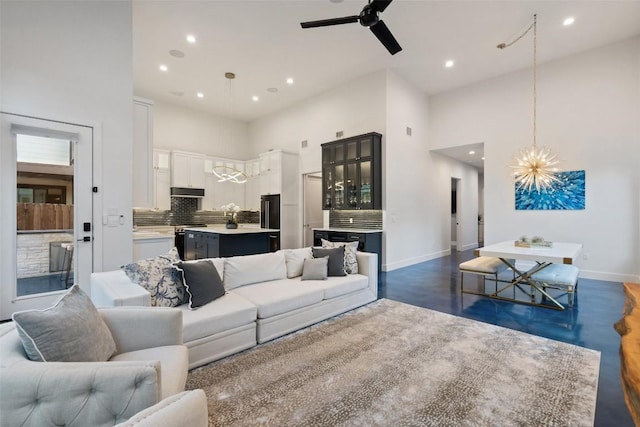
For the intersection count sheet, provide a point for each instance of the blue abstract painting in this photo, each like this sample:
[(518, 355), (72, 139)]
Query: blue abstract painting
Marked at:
[(566, 194)]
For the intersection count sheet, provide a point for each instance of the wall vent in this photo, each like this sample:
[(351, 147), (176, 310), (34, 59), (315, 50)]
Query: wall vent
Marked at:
[(339, 134), (304, 144)]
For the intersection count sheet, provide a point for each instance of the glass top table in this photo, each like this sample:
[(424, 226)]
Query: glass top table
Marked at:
[(559, 253)]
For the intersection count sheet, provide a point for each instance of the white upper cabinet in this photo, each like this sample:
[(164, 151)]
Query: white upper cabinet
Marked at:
[(161, 179), (142, 153), (187, 170)]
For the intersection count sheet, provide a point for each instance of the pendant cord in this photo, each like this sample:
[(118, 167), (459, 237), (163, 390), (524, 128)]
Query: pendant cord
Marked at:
[(534, 26), (535, 75)]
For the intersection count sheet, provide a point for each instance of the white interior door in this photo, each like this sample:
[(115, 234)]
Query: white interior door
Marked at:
[(313, 217), (46, 211)]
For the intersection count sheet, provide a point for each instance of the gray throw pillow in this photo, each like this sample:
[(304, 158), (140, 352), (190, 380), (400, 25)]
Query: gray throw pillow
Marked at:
[(350, 251), (336, 260), (158, 276), (71, 331), (202, 282), (315, 269)]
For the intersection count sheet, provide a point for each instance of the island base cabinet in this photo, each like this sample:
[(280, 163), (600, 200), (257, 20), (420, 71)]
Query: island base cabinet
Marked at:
[(367, 242), (200, 245)]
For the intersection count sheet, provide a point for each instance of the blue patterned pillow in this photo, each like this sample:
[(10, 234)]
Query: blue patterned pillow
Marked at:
[(158, 276)]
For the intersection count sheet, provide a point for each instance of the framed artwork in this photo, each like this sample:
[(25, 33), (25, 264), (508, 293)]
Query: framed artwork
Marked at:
[(566, 194)]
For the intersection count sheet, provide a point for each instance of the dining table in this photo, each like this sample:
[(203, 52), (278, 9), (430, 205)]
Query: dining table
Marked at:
[(524, 280)]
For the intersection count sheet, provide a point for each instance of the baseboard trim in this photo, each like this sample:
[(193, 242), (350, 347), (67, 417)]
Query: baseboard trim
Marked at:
[(609, 277), (415, 260)]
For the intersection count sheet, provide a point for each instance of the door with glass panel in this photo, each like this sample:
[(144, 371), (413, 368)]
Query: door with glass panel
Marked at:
[(45, 211)]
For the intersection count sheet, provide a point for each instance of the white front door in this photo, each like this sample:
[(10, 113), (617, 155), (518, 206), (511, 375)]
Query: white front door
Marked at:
[(313, 216), (46, 211)]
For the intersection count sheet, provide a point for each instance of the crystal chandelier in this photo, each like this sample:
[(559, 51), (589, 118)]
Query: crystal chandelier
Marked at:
[(534, 167)]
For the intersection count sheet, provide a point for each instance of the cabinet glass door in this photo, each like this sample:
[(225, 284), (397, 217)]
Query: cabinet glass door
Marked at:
[(352, 150), (327, 188), (352, 185), (339, 187), (365, 185), (365, 148)]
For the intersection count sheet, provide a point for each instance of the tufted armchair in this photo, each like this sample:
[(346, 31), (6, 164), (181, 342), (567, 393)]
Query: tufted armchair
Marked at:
[(150, 365)]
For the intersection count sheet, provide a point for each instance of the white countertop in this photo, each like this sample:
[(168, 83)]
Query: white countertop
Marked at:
[(348, 230), (240, 230)]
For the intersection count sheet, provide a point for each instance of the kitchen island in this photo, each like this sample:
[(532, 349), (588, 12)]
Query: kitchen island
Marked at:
[(214, 242)]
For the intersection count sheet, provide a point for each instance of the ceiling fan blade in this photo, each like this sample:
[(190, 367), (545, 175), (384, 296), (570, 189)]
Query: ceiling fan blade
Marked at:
[(380, 5), (328, 22), (386, 38)]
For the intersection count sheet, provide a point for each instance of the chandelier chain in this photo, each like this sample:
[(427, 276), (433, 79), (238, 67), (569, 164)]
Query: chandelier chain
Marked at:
[(535, 75)]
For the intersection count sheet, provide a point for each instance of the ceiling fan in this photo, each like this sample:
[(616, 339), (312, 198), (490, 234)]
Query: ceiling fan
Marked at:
[(367, 18)]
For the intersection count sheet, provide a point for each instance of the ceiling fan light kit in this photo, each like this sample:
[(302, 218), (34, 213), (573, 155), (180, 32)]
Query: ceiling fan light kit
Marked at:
[(369, 17)]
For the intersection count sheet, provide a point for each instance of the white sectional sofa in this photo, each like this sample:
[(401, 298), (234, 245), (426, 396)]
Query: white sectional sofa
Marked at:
[(265, 298)]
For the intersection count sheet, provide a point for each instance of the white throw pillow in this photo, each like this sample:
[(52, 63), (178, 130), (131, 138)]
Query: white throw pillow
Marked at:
[(248, 269), (294, 259)]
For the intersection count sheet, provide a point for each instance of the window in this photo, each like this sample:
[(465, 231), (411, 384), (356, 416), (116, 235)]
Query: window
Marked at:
[(43, 150)]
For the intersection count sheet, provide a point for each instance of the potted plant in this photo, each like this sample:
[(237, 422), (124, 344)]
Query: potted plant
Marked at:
[(232, 209)]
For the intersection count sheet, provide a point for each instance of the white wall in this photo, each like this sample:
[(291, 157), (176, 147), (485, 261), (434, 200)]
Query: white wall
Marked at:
[(355, 108), (415, 215), (589, 113), (179, 128), (72, 60)]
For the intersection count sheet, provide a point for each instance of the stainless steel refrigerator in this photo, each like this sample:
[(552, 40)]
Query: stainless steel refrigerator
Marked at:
[(270, 217)]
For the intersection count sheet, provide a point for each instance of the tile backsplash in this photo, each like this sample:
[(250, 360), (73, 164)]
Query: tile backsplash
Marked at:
[(184, 211), (364, 219)]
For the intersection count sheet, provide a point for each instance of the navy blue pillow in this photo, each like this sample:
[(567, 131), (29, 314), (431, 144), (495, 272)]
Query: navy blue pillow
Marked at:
[(202, 282)]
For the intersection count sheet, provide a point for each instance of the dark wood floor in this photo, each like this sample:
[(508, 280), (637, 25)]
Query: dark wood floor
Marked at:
[(436, 285)]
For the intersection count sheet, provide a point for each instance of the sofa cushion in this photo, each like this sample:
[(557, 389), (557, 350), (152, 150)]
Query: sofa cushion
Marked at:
[(294, 259), (72, 330), (336, 259), (315, 269), (280, 296), (202, 282), (174, 365), (157, 276), (338, 286), (350, 250), (248, 269), (223, 314)]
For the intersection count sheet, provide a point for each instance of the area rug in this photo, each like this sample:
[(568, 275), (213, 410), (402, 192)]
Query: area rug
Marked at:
[(392, 364)]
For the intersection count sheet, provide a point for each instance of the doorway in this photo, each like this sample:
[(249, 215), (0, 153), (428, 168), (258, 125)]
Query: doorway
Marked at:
[(312, 202), (46, 210), (456, 208)]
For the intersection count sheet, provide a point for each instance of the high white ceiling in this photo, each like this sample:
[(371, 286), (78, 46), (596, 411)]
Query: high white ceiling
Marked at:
[(263, 43)]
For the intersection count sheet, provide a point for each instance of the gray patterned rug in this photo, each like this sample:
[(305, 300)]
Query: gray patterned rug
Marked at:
[(392, 364)]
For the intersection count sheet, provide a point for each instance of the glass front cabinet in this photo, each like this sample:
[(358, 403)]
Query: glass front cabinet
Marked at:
[(351, 173)]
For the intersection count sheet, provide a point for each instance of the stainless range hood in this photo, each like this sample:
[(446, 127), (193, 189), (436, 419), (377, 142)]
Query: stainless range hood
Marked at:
[(187, 192)]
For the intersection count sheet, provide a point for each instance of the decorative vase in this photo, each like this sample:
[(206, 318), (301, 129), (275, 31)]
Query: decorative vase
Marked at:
[(232, 225)]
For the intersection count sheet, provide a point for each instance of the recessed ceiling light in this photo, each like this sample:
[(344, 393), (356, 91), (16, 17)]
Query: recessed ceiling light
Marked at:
[(176, 53), (289, 81), (482, 157), (255, 98), (472, 152), (449, 63), (200, 95), (568, 21), (191, 38), (163, 67)]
